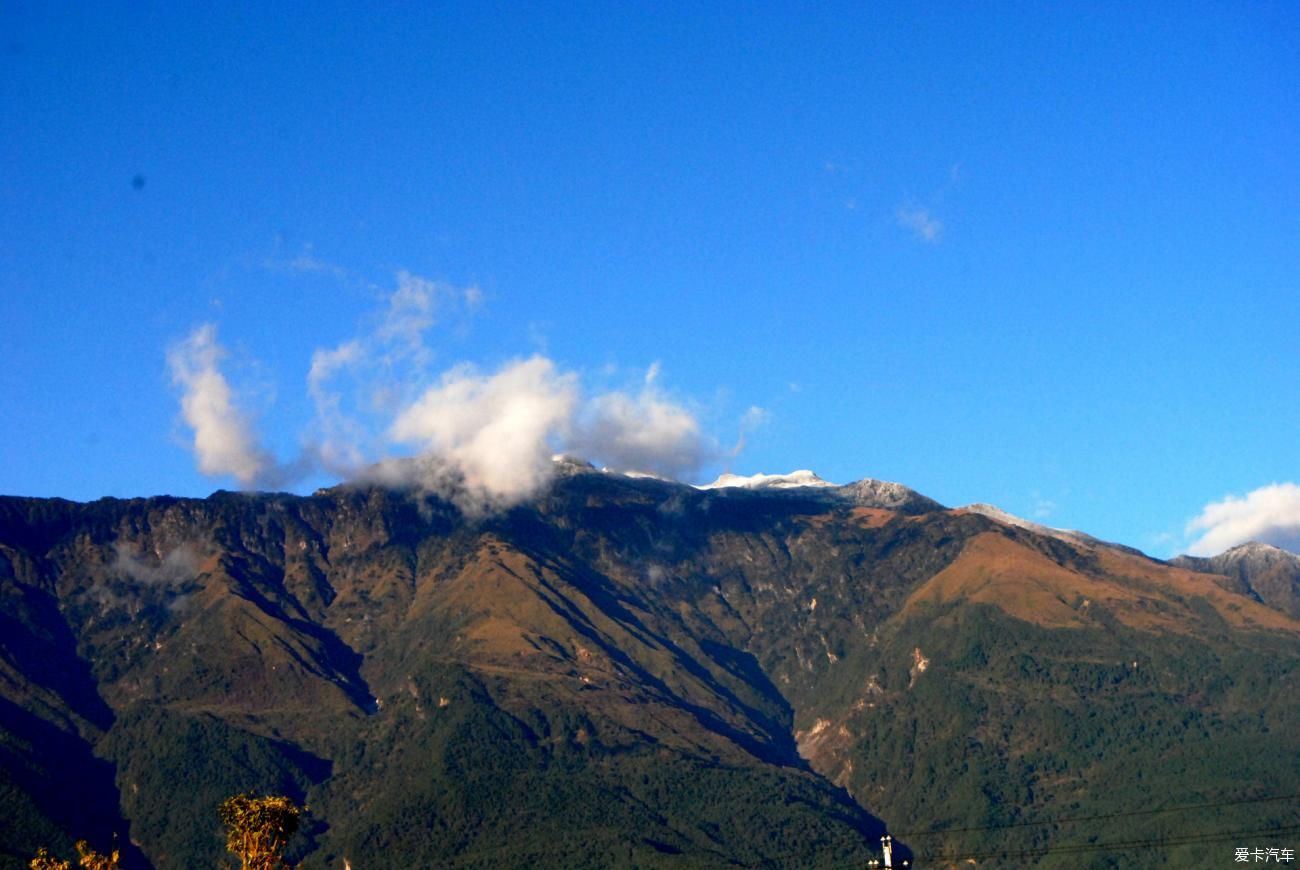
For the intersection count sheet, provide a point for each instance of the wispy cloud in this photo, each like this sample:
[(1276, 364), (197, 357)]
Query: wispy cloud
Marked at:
[(918, 215), (410, 311), (224, 441), (382, 365), (175, 566), (752, 420), (305, 262), (646, 431), (1042, 507), (1270, 514), (920, 222), (358, 385), (337, 436), (484, 439)]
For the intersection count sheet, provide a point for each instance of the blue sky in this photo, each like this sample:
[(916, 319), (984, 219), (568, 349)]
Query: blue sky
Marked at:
[(1040, 255)]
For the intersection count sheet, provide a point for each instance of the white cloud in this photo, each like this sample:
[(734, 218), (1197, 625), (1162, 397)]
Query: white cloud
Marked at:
[(919, 220), (324, 363), (647, 432), (755, 418), (409, 315), (338, 437), (484, 440), (1042, 507), (307, 263), (494, 433), (359, 385), (1270, 514), (176, 566), (752, 420), (487, 440), (224, 442)]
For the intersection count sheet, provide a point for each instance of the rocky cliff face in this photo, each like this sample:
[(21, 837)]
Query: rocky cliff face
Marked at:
[(622, 671), (1263, 572)]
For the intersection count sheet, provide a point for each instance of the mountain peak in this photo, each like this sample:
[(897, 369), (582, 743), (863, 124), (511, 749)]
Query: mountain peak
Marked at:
[(869, 492), (1257, 548), (801, 477), (866, 492), (1072, 535), (1250, 551), (994, 512), (1267, 573)]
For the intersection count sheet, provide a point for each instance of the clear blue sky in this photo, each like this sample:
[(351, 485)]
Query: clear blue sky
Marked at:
[(1042, 255)]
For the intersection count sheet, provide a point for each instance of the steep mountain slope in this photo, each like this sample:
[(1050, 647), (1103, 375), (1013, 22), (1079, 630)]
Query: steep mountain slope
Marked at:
[(1028, 683), (439, 690), (1264, 572), (624, 671)]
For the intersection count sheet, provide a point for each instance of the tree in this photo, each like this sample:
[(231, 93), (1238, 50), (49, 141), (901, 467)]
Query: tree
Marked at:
[(43, 861), (87, 857), (258, 829), (92, 860)]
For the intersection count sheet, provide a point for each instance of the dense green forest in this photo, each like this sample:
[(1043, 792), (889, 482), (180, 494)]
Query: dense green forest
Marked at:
[(629, 673)]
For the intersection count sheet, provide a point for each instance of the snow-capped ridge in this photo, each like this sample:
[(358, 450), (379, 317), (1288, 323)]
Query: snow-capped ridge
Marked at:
[(801, 483), (1074, 536), (861, 493), (994, 512), (1257, 548), (801, 477), (888, 495), (566, 464), (1253, 552), (1268, 573)]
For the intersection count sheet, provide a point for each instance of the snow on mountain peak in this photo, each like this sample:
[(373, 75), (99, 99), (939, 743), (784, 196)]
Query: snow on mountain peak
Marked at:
[(1253, 547), (1260, 552), (996, 513), (802, 477)]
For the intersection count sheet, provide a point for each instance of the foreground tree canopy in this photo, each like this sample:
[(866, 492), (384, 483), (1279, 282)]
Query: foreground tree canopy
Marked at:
[(87, 858), (259, 829)]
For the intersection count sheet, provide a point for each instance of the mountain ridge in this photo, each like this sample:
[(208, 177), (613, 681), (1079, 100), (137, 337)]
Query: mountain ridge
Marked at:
[(1266, 573), (679, 669)]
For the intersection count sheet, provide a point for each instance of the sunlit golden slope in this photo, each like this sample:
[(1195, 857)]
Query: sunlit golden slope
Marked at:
[(995, 568)]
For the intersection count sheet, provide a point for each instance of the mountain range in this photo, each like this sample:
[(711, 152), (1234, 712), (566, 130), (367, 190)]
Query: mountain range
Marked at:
[(627, 671)]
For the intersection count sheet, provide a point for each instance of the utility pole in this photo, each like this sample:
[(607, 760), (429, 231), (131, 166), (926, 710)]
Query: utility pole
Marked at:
[(887, 847)]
